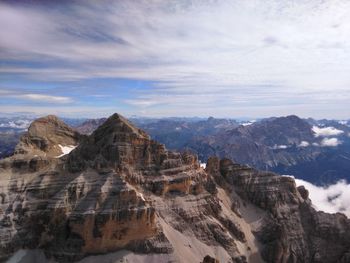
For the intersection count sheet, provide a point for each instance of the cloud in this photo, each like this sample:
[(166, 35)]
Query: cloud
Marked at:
[(331, 199), (330, 142), (240, 55), (326, 131), (37, 97), (46, 98), (304, 144), (280, 147)]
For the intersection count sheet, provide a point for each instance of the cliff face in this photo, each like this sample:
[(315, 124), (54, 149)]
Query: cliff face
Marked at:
[(120, 190), (292, 231)]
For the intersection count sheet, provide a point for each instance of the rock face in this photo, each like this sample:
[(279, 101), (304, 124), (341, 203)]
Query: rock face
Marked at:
[(45, 135), (121, 190)]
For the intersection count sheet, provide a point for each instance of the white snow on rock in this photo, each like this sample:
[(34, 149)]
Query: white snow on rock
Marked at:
[(203, 165), (66, 149), (326, 131)]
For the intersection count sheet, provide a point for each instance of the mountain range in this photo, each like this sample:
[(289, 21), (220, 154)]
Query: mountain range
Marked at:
[(317, 151), (117, 195), (312, 150)]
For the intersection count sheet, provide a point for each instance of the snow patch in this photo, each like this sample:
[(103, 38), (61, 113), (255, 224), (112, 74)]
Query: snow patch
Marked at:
[(203, 165), (326, 131), (141, 195), (66, 149)]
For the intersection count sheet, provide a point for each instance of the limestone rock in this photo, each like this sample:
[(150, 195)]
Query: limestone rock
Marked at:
[(120, 190), (45, 135)]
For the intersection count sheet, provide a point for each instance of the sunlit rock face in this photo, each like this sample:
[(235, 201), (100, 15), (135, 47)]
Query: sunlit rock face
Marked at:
[(47, 136), (120, 190)]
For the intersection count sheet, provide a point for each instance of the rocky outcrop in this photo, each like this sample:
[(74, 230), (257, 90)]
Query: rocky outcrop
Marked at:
[(292, 231), (45, 136), (121, 190)]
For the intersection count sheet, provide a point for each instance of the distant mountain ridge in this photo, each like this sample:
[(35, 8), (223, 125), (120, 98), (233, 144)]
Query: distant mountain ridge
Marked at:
[(287, 145)]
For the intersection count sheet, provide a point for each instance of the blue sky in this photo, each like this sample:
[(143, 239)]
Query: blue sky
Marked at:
[(176, 58)]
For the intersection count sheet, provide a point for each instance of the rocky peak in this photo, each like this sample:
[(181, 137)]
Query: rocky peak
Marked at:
[(46, 136), (117, 144), (117, 125)]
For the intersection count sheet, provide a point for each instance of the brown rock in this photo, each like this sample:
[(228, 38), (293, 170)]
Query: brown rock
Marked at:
[(209, 259)]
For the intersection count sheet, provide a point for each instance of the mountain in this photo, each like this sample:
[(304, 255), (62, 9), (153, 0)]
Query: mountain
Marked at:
[(88, 126), (48, 136), (317, 151), (287, 145), (121, 196), (178, 133)]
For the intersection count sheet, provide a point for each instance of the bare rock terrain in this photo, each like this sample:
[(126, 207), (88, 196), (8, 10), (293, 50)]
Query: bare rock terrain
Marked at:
[(119, 196)]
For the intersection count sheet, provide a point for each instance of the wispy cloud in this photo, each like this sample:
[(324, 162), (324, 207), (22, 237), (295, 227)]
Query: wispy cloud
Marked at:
[(35, 97), (224, 56), (46, 98)]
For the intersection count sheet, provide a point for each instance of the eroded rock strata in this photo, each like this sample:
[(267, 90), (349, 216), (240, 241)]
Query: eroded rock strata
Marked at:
[(118, 190)]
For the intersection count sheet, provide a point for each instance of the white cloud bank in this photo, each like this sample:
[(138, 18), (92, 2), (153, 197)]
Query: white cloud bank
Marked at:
[(326, 131), (330, 142), (331, 199)]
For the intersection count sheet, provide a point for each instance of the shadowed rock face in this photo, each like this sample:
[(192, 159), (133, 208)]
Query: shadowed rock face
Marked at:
[(120, 190)]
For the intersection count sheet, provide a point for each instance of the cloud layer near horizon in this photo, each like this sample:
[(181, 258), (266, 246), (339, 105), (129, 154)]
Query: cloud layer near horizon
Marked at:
[(221, 58), (331, 199)]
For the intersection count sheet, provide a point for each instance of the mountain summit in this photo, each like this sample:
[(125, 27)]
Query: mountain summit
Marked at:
[(118, 190), (45, 136)]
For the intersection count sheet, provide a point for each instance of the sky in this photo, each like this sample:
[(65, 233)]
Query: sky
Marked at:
[(176, 58)]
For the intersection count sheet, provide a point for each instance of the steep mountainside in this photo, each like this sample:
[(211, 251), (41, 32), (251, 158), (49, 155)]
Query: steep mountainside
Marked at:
[(118, 190)]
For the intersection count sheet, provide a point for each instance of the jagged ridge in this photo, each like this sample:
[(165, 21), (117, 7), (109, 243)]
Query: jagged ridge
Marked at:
[(120, 190)]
